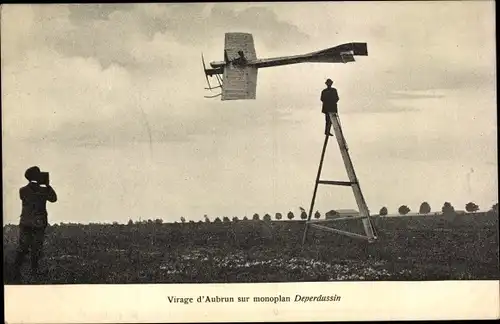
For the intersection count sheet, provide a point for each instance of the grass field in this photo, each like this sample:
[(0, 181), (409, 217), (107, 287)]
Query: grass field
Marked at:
[(454, 247)]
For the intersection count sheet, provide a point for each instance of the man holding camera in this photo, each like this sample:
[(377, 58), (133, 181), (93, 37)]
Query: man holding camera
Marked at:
[(34, 197)]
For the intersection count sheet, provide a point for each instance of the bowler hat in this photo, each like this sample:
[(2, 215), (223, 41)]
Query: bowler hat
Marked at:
[(32, 173)]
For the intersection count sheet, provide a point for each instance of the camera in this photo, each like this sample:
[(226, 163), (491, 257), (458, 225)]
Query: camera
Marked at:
[(43, 178)]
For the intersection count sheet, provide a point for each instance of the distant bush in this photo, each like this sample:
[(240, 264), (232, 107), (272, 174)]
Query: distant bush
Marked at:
[(447, 208), (290, 215), (303, 215), (235, 219), (217, 220), (278, 216), (471, 207), (207, 220), (267, 218), (225, 219), (425, 208), (245, 218), (317, 215), (403, 210), (130, 222), (255, 216), (383, 211), (183, 220)]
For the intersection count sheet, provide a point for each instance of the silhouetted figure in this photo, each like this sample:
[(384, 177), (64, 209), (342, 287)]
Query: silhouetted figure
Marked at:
[(33, 222), (329, 97)]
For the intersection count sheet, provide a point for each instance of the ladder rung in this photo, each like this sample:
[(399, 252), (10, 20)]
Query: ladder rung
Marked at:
[(337, 183), (354, 235)]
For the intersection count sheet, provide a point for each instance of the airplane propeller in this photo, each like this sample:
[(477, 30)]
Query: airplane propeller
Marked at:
[(208, 82), (205, 70)]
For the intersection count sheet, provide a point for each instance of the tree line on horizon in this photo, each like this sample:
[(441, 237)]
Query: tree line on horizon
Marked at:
[(447, 208), (424, 209)]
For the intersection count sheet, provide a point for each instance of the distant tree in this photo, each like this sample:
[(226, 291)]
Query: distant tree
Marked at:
[(471, 207), (235, 219), (225, 219), (200, 221), (150, 221), (494, 210), (403, 210), (331, 213), (159, 221), (267, 218), (245, 218), (115, 223), (278, 216), (447, 208), (255, 216), (425, 208), (303, 215), (183, 220), (217, 220), (317, 215), (290, 215), (207, 220), (383, 211), (130, 222)]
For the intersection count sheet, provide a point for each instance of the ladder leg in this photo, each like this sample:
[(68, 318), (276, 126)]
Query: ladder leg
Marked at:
[(358, 195), (315, 189)]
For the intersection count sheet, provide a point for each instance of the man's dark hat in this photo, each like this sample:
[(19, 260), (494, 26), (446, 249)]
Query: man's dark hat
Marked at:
[(329, 81), (32, 173)]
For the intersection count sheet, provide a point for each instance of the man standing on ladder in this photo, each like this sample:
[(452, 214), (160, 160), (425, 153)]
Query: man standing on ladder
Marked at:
[(329, 97)]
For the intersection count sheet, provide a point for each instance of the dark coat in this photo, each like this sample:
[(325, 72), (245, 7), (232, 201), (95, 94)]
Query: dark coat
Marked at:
[(34, 200), (329, 97)]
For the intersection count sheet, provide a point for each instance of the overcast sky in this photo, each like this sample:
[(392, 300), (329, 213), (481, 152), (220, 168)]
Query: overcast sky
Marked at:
[(109, 99)]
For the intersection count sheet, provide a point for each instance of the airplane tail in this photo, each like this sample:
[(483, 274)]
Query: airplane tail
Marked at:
[(345, 52), (339, 54)]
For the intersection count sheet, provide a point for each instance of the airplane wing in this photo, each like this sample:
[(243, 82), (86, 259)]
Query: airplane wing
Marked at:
[(240, 81), (235, 42)]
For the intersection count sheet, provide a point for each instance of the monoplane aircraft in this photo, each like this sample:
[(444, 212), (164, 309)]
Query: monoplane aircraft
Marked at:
[(240, 65)]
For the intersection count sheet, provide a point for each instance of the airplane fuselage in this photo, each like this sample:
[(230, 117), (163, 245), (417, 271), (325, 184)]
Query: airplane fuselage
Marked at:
[(317, 57)]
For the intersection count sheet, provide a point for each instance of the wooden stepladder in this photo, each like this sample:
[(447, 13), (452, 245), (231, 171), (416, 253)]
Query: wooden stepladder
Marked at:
[(364, 214)]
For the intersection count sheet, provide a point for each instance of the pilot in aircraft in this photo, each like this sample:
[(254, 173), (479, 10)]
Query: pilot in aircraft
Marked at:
[(329, 97)]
